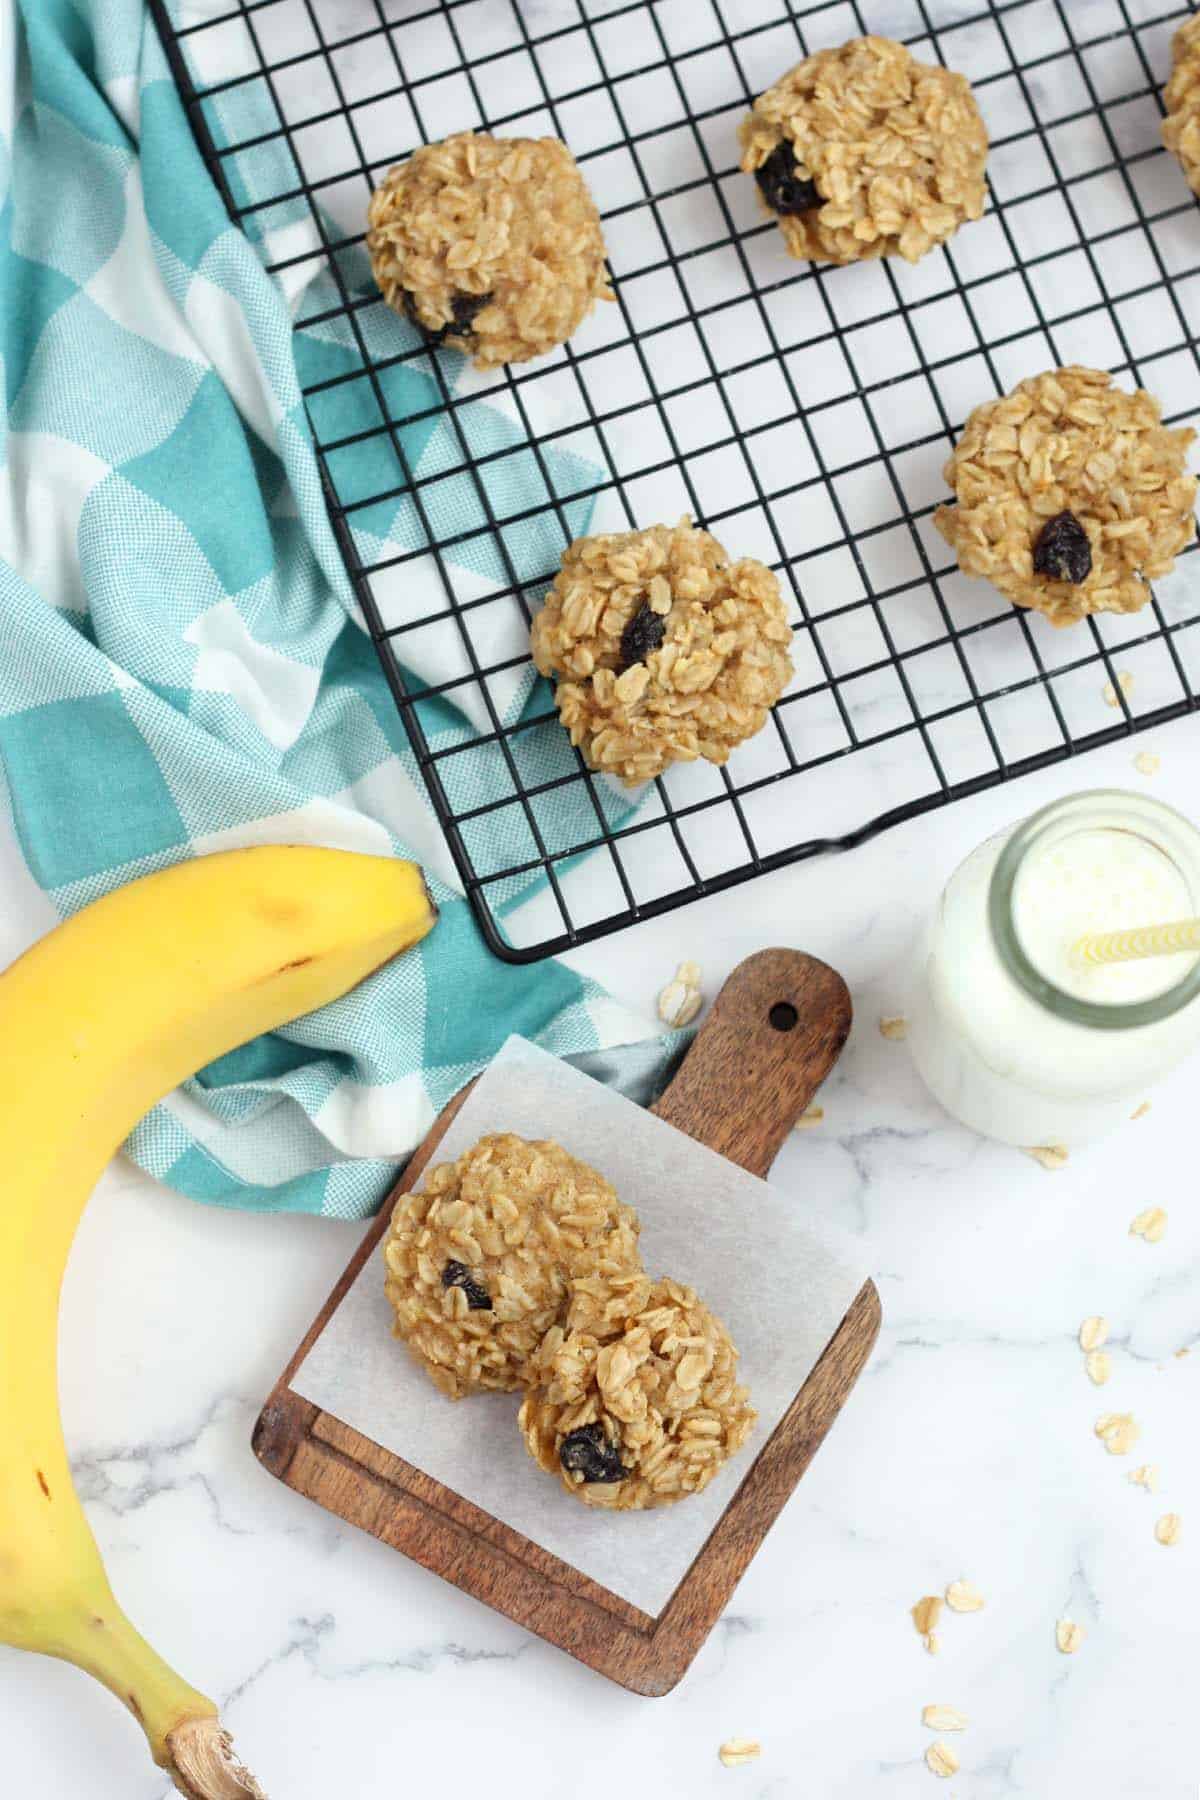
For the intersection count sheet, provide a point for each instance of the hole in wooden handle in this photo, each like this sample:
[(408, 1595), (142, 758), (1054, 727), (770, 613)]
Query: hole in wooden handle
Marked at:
[(783, 1015)]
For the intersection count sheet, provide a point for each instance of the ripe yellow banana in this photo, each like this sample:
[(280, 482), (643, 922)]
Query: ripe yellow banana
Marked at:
[(97, 1022)]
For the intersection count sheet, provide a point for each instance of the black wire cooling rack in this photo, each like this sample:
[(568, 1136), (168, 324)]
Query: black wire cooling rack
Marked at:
[(803, 413)]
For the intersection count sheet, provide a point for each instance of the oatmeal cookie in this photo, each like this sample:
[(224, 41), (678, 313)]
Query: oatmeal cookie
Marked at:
[(479, 1260), (635, 1401), (492, 245), (1072, 495), (1181, 127), (664, 650), (862, 151)]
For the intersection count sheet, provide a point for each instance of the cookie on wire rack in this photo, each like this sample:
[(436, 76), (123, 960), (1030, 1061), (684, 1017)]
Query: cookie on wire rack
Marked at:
[(491, 245), (863, 151), (664, 650), (1072, 495), (1181, 127)]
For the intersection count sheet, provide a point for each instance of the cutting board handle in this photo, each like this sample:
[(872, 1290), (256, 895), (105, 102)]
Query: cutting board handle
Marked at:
[(775, 1031)]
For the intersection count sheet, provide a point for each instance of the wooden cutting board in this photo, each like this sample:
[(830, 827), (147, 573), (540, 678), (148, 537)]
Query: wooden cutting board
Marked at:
[(773, 1035)]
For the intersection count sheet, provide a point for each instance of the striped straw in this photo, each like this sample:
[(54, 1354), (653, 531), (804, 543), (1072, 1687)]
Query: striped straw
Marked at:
[(1143, 941)]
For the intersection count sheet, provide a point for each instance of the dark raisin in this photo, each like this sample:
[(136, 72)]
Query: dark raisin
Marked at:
[(456, 1274), (786, 192), (587, 1452), (643, 634), (1062, 551), (464, 309)]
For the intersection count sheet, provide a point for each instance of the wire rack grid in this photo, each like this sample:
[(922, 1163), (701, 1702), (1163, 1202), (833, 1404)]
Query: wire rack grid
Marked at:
[(803, 413)]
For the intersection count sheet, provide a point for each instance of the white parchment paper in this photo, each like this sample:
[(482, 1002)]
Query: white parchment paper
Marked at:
[(744, 1246)]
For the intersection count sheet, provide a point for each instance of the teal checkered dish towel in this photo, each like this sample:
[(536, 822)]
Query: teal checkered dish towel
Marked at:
[(183, 667)]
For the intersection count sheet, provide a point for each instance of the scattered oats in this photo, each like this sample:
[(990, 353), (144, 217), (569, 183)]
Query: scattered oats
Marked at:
[(738, 1751), (1145, 1476), (1124, 682), (1051, 1156), (926, 1613), (1142, 1110), (814, 1116), (1168, 1528), (1093, 1332), (894, 1026), (1098, 1364), (1151, 1225), (964, 1596), (941, 1759), (944, 1718), (1068, 1636), (681, 999), (1118, 1432), (933, 1642), (1147, 762), (1185, 1351)]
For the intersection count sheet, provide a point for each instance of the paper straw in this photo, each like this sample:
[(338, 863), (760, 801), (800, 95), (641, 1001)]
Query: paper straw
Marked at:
[(1142, 941)]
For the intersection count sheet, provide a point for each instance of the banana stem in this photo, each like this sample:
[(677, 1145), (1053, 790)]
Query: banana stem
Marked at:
[(185, 1735), (204, 1766)]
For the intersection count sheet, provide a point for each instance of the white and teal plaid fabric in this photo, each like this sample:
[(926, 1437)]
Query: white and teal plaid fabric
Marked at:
[(182, 667)]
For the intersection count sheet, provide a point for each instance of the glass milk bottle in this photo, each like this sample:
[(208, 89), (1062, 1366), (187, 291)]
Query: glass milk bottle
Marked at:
[(1011, 1033)]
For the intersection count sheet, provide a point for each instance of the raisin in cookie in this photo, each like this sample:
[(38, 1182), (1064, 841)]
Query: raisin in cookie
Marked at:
[(635, 1401), (1181, 127), (862, 151), (480, 1259), (491, 245), (1072, 495), (664, 650)]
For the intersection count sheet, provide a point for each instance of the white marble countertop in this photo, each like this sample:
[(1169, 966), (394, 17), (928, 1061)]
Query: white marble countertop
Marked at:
[(967, 1450), (348, 1673)]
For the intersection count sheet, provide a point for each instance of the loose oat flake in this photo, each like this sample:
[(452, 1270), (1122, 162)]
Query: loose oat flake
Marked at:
[(1093, 1332), (681, 999), (1124, 683), (1150, 1225), (1142, 1110), (1145, 1476), (941, 1759), (1118, 1432), (814, 1116), (964, 1597), (738, 1751), (933, 1642), (1168, 1528), (894, 1026), (1147, 762), (943, 1718), (1068, 1636), (1098, 1364), (1050, 1156), (926, 1613)]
